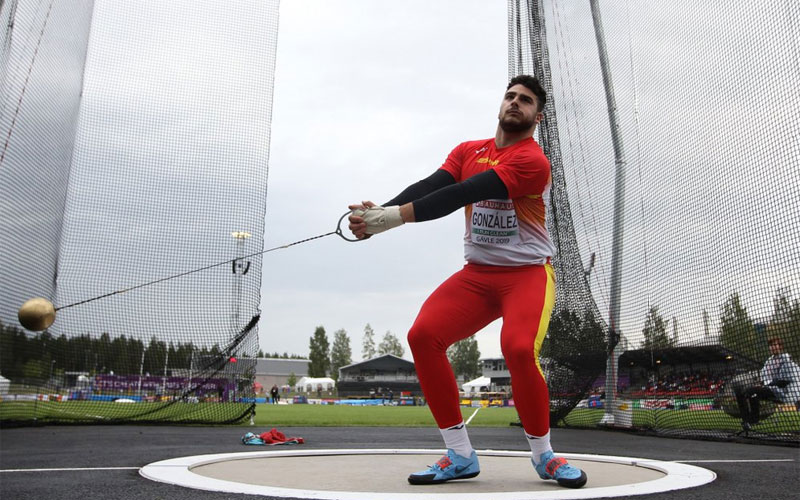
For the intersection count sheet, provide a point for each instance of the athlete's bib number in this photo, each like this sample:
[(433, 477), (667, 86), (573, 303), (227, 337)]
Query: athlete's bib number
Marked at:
[(494, 222)]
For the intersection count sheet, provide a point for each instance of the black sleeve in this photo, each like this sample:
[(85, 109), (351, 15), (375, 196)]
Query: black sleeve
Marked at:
[(484, 186), (437, 180)]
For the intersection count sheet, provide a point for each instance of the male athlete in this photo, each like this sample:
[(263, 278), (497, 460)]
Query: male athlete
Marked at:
[(503, 183)]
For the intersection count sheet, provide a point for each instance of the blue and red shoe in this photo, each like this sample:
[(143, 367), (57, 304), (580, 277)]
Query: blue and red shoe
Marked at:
[(449, 467), (552, 467)]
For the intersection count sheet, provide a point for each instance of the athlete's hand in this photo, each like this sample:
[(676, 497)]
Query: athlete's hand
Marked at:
[(358, 225), (380, 219), (375, 218)]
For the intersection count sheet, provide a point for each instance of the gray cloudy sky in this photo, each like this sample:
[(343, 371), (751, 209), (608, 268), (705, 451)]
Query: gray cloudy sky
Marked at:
[(711, 164), (370, 96)]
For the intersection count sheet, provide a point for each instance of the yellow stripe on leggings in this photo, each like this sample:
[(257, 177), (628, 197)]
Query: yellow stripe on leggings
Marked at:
[(547, 310)]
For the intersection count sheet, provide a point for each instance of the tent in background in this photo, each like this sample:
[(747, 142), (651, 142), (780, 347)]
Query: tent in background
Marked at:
[(313, 384), (480, 384)]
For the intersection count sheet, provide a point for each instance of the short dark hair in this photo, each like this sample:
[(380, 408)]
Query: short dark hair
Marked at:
[(532, 84), (774, 339)]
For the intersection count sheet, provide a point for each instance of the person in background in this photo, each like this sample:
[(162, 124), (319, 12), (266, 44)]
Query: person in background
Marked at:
[(779, 380), (275, 393)]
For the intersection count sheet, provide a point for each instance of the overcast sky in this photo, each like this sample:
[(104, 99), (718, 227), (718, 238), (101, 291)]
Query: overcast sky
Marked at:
[(709, 185), (370, 96)]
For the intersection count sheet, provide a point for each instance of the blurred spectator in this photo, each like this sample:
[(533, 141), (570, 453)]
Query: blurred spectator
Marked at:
[(695, 382), (275, 393), (779, 380)]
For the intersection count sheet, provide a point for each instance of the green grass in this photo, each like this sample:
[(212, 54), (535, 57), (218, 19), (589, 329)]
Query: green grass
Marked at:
[(348, 416), (341, 415), (383, 416), (716, 420), (102, 412), (266, 414)]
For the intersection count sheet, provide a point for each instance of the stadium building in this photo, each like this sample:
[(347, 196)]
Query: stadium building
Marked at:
[(276, 371), (377, 376)]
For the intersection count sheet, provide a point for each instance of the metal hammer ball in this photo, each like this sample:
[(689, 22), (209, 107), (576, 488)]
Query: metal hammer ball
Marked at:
[(37, 314)]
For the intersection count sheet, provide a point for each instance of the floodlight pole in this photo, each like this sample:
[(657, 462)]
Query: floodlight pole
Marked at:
[(191, 367), (612, 374), (141, 370), (164, 378)]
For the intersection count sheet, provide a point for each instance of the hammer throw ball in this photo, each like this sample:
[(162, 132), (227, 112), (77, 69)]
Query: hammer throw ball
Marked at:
[(37, 314)]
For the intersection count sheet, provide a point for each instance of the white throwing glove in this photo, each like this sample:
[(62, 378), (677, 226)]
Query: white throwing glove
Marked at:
[(380, 219)]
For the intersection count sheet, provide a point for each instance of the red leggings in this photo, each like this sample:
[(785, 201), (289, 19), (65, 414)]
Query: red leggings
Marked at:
[(468, 301)]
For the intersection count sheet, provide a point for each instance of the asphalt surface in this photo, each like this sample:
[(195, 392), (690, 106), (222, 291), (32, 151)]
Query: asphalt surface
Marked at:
[(744, 471)]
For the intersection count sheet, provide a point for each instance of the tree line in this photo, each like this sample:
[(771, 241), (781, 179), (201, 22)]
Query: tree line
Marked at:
[(326, 359), (738, 331), (573, 339), (277, 355), (44, 355)]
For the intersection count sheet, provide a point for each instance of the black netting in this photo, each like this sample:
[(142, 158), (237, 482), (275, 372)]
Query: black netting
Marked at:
[(135, 148), (698, 112), (574, 351)]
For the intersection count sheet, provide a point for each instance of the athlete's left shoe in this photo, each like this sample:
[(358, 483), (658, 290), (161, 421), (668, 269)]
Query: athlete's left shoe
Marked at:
[(449, 467), (552, 467)]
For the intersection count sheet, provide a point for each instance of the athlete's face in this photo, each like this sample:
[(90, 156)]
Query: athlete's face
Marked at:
[(519, 110)]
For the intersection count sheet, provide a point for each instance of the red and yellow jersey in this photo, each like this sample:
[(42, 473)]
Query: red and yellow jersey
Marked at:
[(509, 232)]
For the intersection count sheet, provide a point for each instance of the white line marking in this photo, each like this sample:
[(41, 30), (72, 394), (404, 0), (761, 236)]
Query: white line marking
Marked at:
[(70, 469), (65, 469), (734, 461), (178, 471), (471, 416)]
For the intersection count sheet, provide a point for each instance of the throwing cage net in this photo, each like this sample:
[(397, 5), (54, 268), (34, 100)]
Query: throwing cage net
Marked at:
[(673, 131), (134, 143)]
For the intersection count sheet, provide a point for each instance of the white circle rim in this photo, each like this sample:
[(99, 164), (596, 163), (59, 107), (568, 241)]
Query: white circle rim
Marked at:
[(177, 471)]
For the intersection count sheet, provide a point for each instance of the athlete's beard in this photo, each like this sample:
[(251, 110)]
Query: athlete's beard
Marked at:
[(515, 126)]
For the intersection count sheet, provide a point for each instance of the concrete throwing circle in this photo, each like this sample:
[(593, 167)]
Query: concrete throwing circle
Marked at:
[(379, 474)]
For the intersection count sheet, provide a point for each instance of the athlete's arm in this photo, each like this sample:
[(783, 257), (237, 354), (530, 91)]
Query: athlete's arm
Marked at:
[(368, 219), (439, 179), (484, 186)]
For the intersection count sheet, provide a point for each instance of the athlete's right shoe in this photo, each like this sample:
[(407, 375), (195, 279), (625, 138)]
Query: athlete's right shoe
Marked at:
[(449, 467), (552, 467)]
